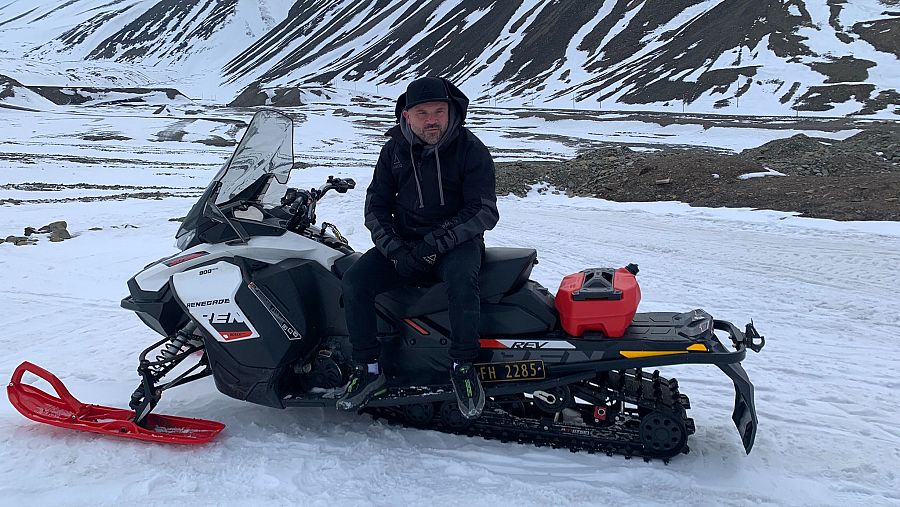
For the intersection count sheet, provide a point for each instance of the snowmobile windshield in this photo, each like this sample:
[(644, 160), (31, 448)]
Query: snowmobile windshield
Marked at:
[(257, 172)]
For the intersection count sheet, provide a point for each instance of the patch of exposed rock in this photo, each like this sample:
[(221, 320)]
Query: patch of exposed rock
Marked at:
[(854, 179), (54, 231), (868, 152)]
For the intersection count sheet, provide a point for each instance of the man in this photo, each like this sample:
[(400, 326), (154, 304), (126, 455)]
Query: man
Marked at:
[(431, 199)]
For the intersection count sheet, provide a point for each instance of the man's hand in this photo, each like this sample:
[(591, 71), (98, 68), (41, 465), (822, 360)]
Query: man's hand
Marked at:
[(398, 258), (441, 239), (421, 256), (407, 267), (425, 254), (414, 259)]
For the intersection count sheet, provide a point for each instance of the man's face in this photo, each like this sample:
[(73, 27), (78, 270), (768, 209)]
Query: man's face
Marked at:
[(428, 120)]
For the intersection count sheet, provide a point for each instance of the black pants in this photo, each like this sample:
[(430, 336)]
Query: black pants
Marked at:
[(374, 274)]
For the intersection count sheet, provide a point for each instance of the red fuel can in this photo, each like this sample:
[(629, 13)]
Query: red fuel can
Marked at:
[(598, 299)]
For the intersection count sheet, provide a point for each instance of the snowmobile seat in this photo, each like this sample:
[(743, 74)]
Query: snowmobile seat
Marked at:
[(503, 271)]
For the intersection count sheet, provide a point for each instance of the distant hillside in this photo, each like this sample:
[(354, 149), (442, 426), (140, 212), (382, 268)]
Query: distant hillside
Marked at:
[(736, 56)]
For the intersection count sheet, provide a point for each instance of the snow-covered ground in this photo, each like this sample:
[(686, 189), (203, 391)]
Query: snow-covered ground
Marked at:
[(824, 293)]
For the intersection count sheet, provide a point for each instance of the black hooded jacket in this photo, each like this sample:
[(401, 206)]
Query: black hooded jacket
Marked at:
[(417, 189)]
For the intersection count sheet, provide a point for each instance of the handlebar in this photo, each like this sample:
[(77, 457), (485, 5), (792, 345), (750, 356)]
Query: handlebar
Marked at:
[(303, 202), (339, 184)]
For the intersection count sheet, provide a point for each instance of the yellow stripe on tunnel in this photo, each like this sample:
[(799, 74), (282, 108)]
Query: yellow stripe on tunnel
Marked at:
[(633, 354)]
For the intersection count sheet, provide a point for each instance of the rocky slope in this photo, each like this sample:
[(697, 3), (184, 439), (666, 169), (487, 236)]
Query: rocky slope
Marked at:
[(766, 56), (854, 179)]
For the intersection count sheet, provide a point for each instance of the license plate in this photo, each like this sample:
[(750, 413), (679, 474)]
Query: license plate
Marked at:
[(512, 371)]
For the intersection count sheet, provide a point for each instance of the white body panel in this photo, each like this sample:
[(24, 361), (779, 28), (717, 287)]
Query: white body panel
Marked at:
[(209, 295), (269, 249)]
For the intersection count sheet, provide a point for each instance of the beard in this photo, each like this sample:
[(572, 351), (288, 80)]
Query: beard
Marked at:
[(431, 133)]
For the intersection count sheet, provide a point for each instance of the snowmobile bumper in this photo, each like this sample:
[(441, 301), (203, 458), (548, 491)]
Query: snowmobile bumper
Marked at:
[(66, 411), (744, 414)]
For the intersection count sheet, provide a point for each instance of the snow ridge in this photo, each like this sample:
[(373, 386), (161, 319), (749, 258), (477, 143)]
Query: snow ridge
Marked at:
[(727, 56)]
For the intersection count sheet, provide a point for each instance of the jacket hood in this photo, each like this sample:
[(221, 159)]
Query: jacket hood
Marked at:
[(458, 100)]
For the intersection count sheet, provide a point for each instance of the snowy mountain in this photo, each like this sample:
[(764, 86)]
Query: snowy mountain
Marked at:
[(731, 56)]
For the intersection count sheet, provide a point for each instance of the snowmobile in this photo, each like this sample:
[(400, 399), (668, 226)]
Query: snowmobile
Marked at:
[(253, 299)]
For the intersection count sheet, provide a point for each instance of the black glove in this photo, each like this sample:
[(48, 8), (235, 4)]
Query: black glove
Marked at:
[(407, 264), (410, 266), (425, 254), (397, 254), (441, 239)]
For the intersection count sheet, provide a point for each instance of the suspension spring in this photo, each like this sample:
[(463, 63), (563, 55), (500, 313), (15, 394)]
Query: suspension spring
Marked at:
[(181, 342)]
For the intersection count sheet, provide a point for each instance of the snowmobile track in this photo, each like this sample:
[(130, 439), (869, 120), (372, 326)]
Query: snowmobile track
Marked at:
[(658, 428)]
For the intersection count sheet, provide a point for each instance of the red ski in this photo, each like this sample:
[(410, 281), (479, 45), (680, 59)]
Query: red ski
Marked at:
[(66, 411)]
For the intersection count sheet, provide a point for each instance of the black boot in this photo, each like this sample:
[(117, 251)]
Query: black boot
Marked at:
[(469, 393), (362, 387)]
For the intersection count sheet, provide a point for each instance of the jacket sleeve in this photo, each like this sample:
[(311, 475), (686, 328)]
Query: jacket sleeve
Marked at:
[(479, 212), (381, 197)]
